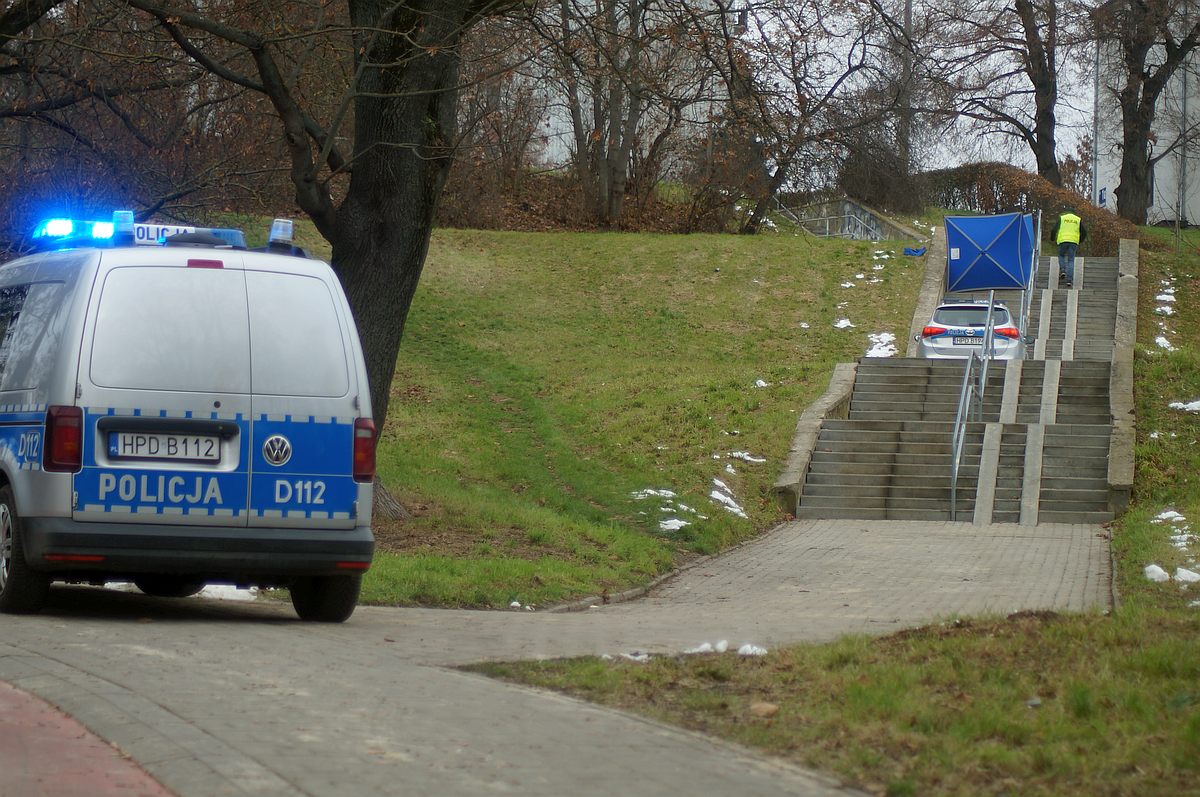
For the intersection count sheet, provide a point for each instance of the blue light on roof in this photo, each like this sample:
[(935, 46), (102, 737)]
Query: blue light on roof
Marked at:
[(55, 228), (103, 230)]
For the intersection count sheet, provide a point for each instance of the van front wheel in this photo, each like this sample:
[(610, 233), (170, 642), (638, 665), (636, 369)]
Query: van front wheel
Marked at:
[(326, 599), (22, 590)]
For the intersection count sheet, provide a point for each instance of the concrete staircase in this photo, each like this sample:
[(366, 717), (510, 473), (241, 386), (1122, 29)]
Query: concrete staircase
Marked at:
[(1039, 453)]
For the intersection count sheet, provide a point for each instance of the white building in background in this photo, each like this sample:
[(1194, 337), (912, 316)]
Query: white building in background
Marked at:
[(1175, 180)]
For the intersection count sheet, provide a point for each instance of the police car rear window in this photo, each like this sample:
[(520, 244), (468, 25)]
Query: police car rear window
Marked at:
[(969, 316), (182, 329), (296, 340)]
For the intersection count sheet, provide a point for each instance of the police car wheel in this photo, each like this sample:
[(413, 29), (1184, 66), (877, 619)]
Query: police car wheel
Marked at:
[(22, 590), (325, 599), (168, 586)]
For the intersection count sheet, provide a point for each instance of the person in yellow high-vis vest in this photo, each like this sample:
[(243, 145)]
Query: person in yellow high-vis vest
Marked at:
[(1068, 233)]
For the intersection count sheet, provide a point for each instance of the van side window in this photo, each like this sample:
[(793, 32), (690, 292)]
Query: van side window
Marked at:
[(296, 340), (32, 319), (12, 300), (178, 329)]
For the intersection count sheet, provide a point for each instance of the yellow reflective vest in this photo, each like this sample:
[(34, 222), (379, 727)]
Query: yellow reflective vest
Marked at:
[(1068, 228)]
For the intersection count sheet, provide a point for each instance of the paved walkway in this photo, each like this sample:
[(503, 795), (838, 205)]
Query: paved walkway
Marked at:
[(221, 698)]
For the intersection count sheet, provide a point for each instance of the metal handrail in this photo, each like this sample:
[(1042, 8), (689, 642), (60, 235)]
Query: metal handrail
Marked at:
[(851, 226), (970, 399), (960, 428)]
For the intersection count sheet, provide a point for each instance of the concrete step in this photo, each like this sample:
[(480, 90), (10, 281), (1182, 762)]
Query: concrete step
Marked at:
[(872, 492), (1075, 499), (824, 478), (1046, 515), (989, 415), (898, 458), (849, 436)]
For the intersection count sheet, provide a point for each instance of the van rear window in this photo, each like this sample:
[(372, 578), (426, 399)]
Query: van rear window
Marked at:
[(181, 329), (296, 340)]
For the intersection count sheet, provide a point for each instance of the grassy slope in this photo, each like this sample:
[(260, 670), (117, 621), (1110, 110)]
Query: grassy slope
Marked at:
[(545, 377), (1034, 704)]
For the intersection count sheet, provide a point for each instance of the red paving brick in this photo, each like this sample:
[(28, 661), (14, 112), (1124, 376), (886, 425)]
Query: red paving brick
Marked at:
[(44, 753)]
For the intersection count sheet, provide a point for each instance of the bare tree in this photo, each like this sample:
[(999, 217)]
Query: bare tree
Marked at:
[(788, 70), (999, 63), (1155, 38), (630, 84)]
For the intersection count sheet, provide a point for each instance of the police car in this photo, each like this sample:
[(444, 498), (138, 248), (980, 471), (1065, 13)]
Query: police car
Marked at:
[(177, 410), (956, 329)]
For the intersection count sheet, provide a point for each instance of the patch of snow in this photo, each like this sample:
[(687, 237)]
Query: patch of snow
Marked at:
[(1167, 516), (877, 267), (638, 656), (1193, 406), (1163, 343), (1157, 574), (703, 647), (228, 592), (673, 524), (1165, 310), (860, 276), (730, 470), (727, 502), (1165, 297), (751, 650), (746, 456), (641, 495), (847, 284), (804, 325), (515, 605), (1185, 576), (761, 383), (720, 485), (883, 344), (843, 323)]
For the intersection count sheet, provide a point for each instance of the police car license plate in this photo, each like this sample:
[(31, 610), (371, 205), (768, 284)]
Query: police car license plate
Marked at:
[(969, 341), (157, 445)]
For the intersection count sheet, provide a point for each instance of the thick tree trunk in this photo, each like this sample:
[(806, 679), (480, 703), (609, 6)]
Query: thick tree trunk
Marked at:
[(404, 129), (1041, 45), (1133, 192)]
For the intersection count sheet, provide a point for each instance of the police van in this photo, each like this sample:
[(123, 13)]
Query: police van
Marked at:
[(177, 410)]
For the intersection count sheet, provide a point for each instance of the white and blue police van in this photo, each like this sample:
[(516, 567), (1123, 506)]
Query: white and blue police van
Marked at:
[(177, 410)]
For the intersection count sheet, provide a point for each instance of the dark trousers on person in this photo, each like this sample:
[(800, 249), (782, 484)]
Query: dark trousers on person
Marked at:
[(1066, 261)]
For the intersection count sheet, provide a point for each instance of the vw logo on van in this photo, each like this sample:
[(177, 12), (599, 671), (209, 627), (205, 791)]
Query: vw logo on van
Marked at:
[(277, 450)]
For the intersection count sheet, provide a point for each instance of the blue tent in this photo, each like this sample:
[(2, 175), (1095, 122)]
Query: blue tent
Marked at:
[(989, 252)]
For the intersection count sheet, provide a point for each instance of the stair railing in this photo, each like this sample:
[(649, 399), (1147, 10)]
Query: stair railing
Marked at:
[(970, 399), (965, 400)]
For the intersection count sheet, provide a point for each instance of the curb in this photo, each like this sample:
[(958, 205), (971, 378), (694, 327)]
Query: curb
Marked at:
[(583, 604)]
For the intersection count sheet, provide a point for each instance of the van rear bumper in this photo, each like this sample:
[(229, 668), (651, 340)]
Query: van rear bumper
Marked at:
[(67, 549)]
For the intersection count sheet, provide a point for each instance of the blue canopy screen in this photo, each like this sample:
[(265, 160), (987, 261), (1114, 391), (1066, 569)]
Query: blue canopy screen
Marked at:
[(989, 252)]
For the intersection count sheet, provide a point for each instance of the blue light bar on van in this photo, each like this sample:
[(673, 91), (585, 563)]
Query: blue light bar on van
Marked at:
[(60, 233)]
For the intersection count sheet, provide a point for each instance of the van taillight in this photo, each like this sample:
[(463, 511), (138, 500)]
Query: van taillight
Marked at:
[(63, 448), (364, 450), (932, 331), (1008, 332)]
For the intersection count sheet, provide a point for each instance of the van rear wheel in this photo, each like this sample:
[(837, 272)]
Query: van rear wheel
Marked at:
[(326, 599), (161, 586), (22, 590)]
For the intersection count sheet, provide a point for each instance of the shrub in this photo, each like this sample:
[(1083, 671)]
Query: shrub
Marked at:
[(1003, 188)]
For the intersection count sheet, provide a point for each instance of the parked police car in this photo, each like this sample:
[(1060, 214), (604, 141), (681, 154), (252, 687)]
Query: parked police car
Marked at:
[(178, 414)]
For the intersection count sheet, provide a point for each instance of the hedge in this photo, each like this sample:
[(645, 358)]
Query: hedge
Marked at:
[(1003, 188)]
